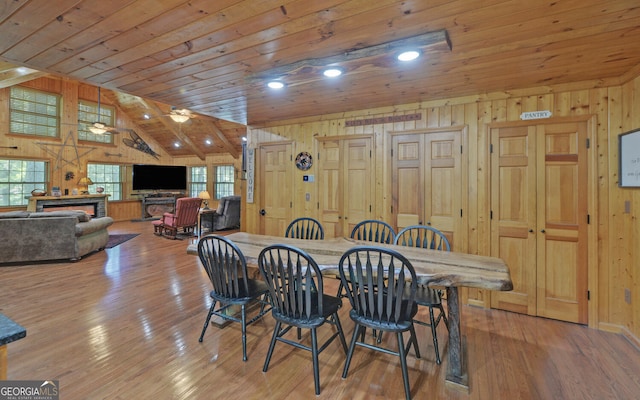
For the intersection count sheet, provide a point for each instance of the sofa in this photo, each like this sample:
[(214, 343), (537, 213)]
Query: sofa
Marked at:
[(54, 235)]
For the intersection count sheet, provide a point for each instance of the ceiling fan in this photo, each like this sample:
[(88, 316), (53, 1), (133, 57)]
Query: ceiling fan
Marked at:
[(98, 127), (180, 115)]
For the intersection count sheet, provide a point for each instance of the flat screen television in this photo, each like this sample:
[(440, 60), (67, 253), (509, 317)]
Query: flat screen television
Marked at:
[(159, 177)]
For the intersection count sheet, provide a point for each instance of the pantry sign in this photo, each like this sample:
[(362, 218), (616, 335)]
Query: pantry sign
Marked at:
[(535, 115)]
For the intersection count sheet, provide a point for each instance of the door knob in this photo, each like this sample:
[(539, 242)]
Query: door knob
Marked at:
[(262, 212), (530, 230), (542, 230)]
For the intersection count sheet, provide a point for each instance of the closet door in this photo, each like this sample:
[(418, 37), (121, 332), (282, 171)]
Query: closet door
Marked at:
[(358, 183), (562, 222), (539, 218), (427, 181), (346, 184), (330, 188), (513, 214)]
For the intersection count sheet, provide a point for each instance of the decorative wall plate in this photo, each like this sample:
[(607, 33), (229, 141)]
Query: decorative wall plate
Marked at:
[(304, 161)]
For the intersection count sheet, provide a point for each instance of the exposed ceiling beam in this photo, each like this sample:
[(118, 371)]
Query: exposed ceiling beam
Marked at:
[(12, 75), (377, 57), (151, 105), (221, 137)]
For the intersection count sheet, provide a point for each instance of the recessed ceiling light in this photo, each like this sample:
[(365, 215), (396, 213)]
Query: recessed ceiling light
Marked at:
[(208, 142), (176, 144), (244, 138), (146, 116), (275, 84), (332, 72), (408, 55)]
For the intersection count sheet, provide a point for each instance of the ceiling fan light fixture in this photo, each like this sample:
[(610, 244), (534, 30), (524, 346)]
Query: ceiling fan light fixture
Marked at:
[(179, 118), (97, 128), (408, 55), (332, 72)]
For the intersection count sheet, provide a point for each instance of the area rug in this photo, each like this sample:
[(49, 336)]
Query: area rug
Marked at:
[(117, 239)]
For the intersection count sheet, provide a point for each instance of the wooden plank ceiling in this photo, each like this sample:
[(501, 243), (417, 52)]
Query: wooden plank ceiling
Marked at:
[(213, 57)]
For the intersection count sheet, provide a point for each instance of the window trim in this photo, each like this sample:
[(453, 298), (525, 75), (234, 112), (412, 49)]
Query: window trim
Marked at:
[(57, 117)]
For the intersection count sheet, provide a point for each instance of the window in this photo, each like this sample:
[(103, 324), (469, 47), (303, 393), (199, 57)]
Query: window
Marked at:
[(223, 185), (34, 112), (88, 114), (18, 178), (198, 180), (109, 177)]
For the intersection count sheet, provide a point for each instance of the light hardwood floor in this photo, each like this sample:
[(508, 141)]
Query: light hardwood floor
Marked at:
[(124, 324)]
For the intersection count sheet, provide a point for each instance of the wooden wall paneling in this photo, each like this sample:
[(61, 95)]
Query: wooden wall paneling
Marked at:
[(580, 102), (616, 252), (331, 127), (598, 112), (562, 104), (529, 103), (544, 102), (479, 116), (458, 117), (635, 216), (624, 195), (380, 155), (69, 136), (45, 84), (618, 241), (599, 254), (607, 182), (470, 210), (499, 110), (4, 116), (445, 115), (433, 117), (125, 210), (304, 187), (514, 108), (469, 165)]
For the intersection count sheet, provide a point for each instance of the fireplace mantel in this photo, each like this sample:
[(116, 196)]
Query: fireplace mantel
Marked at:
[(51, 203)]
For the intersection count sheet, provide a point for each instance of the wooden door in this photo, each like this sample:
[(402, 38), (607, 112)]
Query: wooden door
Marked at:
[(358, 183), (427, 181), (408, 176), (513, 214), (539, 218), (277, 184), (562, 222), (330, 188), (346, 184)]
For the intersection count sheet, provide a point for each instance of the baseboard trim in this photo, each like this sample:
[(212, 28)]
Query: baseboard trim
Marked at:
[(633, 339)]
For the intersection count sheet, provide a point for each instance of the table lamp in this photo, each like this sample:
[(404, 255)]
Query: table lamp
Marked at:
[(85, 182), (204, 195)]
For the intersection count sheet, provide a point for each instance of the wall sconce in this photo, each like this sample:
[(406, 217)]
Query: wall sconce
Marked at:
[(205, 196)]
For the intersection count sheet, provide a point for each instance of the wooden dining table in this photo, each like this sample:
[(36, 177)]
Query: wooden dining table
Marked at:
[(440, 269)]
